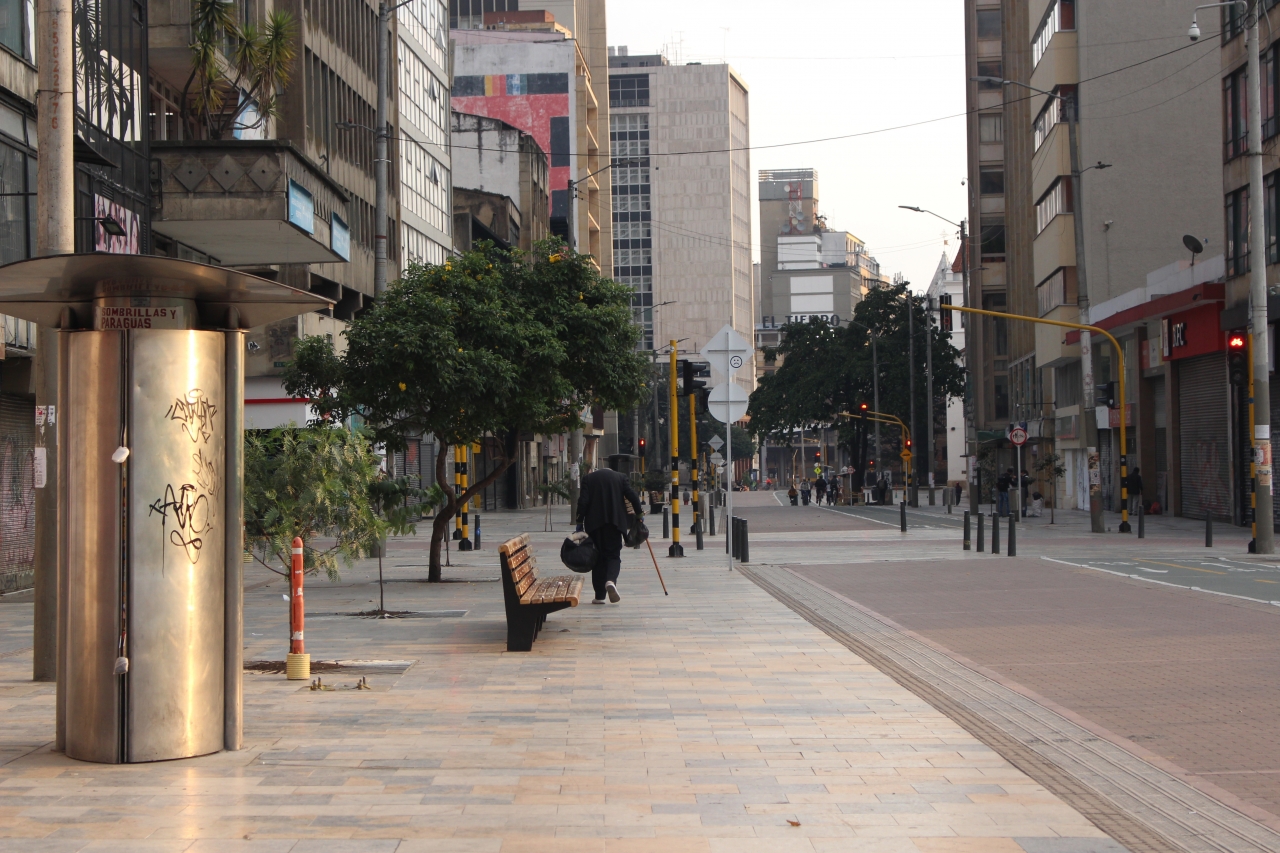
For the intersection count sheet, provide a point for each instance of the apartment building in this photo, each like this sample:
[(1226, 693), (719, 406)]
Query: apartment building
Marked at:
[(1140, 122), (951, 447), (681, 186), (807, 269), (545, 72), (492, 158)]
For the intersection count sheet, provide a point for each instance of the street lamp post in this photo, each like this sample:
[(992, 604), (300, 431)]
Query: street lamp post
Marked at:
[(1260, 391)]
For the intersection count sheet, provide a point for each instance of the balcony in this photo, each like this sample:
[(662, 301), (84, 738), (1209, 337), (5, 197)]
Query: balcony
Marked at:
[(249, 202)]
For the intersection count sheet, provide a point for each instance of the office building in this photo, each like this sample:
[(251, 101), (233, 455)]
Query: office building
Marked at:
[(682, 214)]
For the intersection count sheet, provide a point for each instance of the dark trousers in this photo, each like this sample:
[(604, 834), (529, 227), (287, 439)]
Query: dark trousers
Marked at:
[(608, 542)]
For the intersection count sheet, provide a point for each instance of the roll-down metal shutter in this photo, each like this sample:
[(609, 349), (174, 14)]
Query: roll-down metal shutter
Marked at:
[(17, 493), (1203, 413)]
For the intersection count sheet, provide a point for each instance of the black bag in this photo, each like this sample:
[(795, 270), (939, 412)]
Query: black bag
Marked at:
[(637, 532), (579, 553)]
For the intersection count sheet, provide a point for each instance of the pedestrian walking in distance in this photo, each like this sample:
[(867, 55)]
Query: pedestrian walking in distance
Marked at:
[(602, 513), (1135, 489), (1003, 484)]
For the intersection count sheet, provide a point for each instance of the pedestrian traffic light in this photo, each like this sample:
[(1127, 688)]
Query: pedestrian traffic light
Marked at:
[(1238, 358), (1106, 395), (692, 384), (642, 444)]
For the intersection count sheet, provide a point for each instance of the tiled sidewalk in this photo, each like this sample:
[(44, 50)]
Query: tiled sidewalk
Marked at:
[(711, 720)]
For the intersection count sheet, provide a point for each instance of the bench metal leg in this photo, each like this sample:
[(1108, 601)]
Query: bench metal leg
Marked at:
[(522, 628)]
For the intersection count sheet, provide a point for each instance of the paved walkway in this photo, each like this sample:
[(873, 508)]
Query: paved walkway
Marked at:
[(715, 719)]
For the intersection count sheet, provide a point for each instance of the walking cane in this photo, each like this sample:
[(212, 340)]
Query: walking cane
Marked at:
[(656, 569)]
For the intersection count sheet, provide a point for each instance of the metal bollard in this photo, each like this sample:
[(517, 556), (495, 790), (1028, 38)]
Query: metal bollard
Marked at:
[(737, 538), (995, 533), (1012, 550), (697, 533), (968, 544), (666, 522), (1208, 531), (1142, 527), (744, 551), (982, 532), (477, 531), (298, 662), (902, 516), (711, 517)]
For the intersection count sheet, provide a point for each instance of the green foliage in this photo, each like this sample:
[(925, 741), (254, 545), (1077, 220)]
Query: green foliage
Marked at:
[(312, 482), (556, 488), (228, 59), (827, 370), (485, 344), (398, 503), (1050, 465)]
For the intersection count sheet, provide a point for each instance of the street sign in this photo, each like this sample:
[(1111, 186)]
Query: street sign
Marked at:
[(727, 351), (906, 455), (727, 403), (1018, 436), (716, 442), (716, 459)]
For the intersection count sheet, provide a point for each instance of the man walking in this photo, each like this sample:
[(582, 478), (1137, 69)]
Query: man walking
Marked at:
[(1135, 489), (602, 512), (1003, 484)]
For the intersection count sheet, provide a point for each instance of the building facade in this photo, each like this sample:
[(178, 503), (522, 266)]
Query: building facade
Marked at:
[(491, 156), (947, 288), (679, 136)]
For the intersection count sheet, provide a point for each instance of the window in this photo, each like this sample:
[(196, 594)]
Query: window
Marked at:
[(991, 181), (17, 27), (989, 24), (991, 128), (992, 237), (17, 203), (1237, 229), (1054, 113), (1057, 200), (629, 90), (1232, 23), (1060, 16), (1235, 114), (1272, 207), (1268, 94), (993, 68)]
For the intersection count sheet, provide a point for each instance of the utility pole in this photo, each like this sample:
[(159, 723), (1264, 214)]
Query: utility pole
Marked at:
[(55, 235), (913, 492), (928, 349), (1088, 406), (971, 363), (1264, 542)]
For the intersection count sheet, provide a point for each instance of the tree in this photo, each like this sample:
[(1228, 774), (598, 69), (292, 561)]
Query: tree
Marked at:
[(487, 343), (828, 370), (397, 503), (229, 59), (310, 482), (1050, 465)]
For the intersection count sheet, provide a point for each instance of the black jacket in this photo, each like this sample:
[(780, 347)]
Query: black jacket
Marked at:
[(600, 503)]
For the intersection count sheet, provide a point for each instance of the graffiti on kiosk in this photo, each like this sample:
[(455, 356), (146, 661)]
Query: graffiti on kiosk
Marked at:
[(186, 510)]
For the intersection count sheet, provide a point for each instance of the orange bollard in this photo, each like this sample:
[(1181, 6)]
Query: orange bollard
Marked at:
[(298, 663)]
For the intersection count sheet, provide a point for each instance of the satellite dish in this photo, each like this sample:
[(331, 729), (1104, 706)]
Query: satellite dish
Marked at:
[(1193, 244)]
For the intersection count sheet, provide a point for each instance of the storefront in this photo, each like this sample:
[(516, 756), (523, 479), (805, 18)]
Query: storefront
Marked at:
[(1194, 343)]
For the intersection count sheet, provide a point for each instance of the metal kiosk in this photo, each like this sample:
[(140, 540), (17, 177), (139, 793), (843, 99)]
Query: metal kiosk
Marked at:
[(150, 424)]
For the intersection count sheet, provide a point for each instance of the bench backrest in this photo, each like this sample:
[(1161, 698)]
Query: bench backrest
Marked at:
[(519, 568)]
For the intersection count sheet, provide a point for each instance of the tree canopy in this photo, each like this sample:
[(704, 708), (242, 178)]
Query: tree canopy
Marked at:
[(826, 370), (487, 343)]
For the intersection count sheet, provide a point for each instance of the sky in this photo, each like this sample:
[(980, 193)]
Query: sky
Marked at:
[(836, 68)]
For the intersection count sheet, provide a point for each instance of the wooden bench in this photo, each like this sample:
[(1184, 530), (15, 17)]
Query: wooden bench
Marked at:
[(528, 597)]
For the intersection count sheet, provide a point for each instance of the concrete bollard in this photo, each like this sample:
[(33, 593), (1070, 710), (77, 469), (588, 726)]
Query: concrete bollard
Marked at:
[(1012, 549), (995, 533), (968, 543), (1208, 531), (982, 532), (902, 516)]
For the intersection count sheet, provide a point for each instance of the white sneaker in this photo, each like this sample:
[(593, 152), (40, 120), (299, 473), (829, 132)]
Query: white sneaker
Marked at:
[(612, 590), (598, 601)]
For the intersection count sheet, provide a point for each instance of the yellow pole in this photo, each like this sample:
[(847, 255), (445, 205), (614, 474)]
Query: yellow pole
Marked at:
[(693, 449), (1253, 461), (1124, 447), (675, 550)]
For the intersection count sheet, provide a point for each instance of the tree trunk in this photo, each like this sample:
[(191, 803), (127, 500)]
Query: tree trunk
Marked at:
[(440, 525)]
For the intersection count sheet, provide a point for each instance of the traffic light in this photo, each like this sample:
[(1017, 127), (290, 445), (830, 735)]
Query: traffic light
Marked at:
[(642, 443), (945, 322), (908, 444), (1106, 395), (692, 384), (1238, 358), (863, 409)]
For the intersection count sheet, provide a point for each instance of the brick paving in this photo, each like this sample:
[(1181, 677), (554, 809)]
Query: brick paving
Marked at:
[(708, 721), (1192, 678)]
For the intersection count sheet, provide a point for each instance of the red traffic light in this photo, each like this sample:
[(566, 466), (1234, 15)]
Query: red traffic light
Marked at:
[(642, 445), (863, 407), (1236, 341), (908, 442)]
